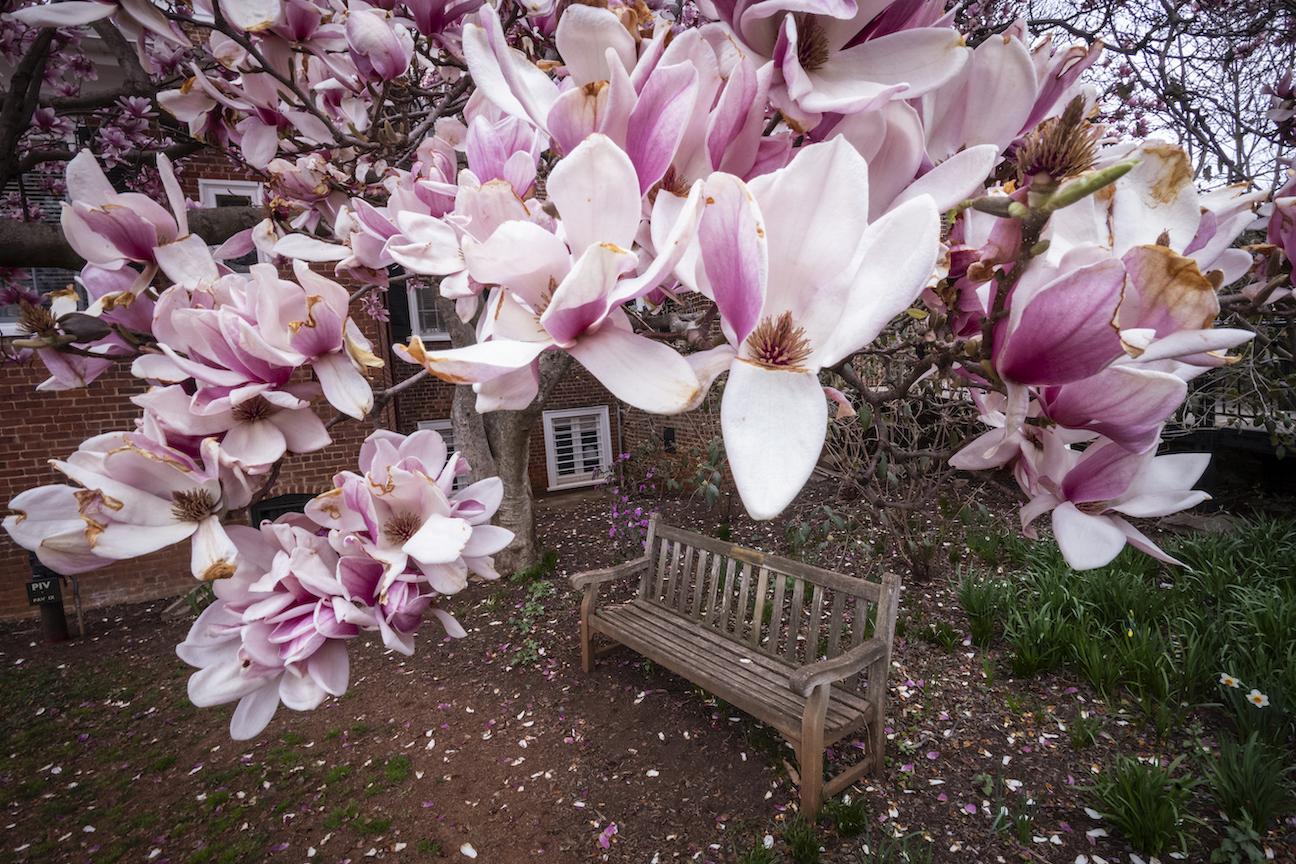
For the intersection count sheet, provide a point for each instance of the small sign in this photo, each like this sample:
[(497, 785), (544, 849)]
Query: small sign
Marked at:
[(43, 590)]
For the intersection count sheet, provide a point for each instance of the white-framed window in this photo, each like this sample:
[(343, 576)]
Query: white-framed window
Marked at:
[(446, 428), (578, 444), (233, 193), (425, 318), (35, 189)]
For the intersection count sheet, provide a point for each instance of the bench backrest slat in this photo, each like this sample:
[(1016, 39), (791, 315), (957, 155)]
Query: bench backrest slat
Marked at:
[(787, 610)]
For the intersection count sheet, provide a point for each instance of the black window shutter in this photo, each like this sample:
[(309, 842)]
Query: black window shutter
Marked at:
[(398, 310)]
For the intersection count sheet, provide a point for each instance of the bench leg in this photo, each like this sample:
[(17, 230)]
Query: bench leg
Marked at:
[(877, 726), (810, 752), (586, 637)]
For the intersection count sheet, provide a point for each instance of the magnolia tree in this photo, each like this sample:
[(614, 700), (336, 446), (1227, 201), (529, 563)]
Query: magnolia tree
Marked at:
[(563, 174)]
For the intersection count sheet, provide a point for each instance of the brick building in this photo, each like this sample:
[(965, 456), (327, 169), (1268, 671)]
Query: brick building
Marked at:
[(577, 434)]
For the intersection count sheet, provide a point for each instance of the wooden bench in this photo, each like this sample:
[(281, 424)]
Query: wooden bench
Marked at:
[(802, 649)]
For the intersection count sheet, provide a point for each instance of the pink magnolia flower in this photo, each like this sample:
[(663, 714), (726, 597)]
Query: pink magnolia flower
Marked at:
[(139, 494), (647, 103), (241, 337), (1281, 230), (1090, 491), (381, 47), (840, 56), (399, 512), (802, 280), (565, 292), (256, 427), (271, 634), (109, 228), (57, 522)]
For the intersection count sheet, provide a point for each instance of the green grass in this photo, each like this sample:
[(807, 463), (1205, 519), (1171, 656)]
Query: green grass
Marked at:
[(1156, 635)]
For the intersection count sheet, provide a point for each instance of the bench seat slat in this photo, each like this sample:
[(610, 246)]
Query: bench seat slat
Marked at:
[(759, 686)]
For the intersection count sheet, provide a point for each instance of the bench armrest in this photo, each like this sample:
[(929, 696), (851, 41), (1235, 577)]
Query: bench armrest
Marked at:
[(807, 677), (608, 574)]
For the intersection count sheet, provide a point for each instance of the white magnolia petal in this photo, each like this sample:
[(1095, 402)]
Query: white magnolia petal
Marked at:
[(1086, 541), (774, 423)]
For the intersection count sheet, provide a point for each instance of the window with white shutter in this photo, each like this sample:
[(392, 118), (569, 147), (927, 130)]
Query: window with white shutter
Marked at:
[(41, 280), (578, 446)]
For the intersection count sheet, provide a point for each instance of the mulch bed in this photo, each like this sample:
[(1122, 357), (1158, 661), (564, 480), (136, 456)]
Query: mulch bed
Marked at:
[(457, 750)]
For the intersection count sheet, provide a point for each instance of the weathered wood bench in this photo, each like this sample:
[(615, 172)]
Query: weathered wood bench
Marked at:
[(802, 649)]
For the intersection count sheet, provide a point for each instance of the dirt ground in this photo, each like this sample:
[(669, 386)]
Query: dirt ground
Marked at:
[(462, 751)]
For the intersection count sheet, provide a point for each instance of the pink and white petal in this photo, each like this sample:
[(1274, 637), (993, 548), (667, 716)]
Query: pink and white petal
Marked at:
[(187, 261), (1156, 195), (255, 711), (252, 15), (345, 387), (908, 62), (88, 242), (259, 142), (452, 627), (512, 391), (814, 221), (120, 541), (486, 540), (583, 39), (440, 540), (673, 243), (503, 74), (896, 257), (71, 14), (426, 245), (330, 668), (707, 366), (1064, 332), (1086, 541), (303, 248), (1197, 347), (300, 692), (954, 179), (213, 555), (735, 256), (303, 430), (766, 411), (474, 364), (647, 374), (222, 683), (522, 257), (659, 119), (1141, 542), (596, 191), (258, 442), (583, 299)]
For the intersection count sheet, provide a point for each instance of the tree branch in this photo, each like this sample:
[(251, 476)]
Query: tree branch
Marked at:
[(41, 244)]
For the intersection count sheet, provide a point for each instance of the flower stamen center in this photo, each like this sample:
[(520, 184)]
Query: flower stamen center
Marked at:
[(193, 505), (256, 408), (778, 343), (401, 527), (812, 43)]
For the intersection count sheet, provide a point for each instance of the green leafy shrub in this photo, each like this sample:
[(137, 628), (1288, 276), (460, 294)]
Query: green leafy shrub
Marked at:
[(802, 841), (1146, 802), (849, 818), (1038, 638), (1251, 782), (986, 602)]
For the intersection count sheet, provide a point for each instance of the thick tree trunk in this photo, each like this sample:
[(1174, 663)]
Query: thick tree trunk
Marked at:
[(509, 434), (499, 444)]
